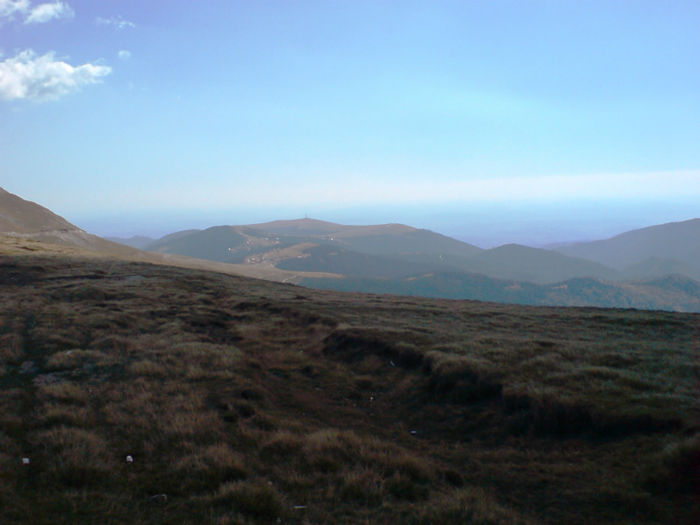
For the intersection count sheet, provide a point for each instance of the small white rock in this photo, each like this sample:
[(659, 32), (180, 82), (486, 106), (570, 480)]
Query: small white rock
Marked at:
[(129, 459), (25, 461)]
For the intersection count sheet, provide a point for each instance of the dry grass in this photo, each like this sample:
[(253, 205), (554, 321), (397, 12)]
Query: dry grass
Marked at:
[(255, 499), (73, 457), (248, 401), (472, 505)]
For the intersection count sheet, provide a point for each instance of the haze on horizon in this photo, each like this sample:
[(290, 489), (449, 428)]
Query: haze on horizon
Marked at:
[(492, 122)]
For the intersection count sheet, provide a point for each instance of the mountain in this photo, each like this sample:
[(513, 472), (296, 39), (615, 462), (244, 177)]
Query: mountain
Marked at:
[(657, 266), (27, 227), (513, 261), (676, 241), (377, 251), (388, 258), (333, 259), (675, 293), (27, 220), (381, 239), (399, 259), (25, 217), (219, 243), (313, 245)]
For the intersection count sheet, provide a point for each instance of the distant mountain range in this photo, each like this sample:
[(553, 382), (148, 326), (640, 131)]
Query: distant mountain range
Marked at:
[(655, 267), (630, 270), (652, 251), (395, 250)]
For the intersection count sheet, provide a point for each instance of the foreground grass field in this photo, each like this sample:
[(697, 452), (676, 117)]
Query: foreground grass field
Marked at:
[(135, 393)]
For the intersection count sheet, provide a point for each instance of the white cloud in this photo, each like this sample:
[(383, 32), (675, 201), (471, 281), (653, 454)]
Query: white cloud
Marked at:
[(124, 54), (39, 14), (117, 22), (45, 12), (31, 77), (9, 7)]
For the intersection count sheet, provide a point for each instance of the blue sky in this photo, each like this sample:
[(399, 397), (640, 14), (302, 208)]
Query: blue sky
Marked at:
[(572, 119)]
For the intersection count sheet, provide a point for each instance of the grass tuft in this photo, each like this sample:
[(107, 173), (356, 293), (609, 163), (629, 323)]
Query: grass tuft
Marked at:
[(256, 499)]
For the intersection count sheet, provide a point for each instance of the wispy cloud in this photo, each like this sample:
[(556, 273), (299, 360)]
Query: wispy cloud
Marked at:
[(117, 22), (8, 8), (46, 12), (124, 54), (30, 77), (39, 14)]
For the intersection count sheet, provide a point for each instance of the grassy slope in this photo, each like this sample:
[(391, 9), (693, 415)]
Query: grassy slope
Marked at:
[(10, 245), (331, 259), (522, 263), (675, 293), (21, 216), (234, 244), (245, 401), (675, 240)]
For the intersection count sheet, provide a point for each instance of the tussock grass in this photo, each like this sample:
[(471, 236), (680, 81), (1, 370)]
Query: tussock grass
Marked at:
[(65, 391), (53, 414), (77, 358), (461, 378), (209, 467), (469, 505), (281, 445), (255, 498), (247, 401), (677, 466), (148, 368), (73, 457), (11, 348)]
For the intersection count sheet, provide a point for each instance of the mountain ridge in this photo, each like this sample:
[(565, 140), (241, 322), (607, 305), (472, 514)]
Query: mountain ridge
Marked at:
[(409, 247), (21, 216), (390, 258), (679, 241)]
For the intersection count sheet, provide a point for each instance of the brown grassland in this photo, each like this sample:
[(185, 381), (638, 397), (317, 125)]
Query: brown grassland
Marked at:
[(247, 401)]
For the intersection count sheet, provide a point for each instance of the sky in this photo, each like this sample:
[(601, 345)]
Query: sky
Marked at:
[(492, 121)]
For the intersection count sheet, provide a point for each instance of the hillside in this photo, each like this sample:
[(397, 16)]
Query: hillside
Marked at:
[(247, 401), (236, 243), (220, 243), (28, 220), (30, 228), (390, 258), (370, 252), (395, 251), (522, 263), (675, 292), (380, 239), (21, 216), (678, 241)]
